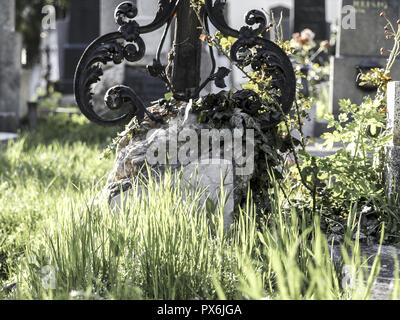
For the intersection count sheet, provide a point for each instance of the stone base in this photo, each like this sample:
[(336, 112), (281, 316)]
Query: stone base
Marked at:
[(72, 55), (149, 88), (210, 177), (7, 136), (343, 80), (382, 288), (316, 149), (207, 177), (132, 156), (393, 171), (9, 122), (67, 100), (321, 127)]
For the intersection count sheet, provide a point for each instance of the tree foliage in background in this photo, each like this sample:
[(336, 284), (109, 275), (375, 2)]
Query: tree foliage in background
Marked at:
[(29, 18)]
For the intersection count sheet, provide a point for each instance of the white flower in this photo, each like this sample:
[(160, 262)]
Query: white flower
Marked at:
[(307, 35)]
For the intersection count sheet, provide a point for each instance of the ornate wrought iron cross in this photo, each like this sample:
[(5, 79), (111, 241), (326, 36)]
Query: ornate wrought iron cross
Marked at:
[(127, 44)]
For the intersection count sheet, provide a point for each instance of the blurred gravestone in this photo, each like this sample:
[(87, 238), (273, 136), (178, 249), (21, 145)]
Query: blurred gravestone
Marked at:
[(83, 27), (62, 40), (283, 14), (149, 88), (310, 14), (393, 123), (214, 176), (6, 136), (9, 68), (358, 48), (107, 21)]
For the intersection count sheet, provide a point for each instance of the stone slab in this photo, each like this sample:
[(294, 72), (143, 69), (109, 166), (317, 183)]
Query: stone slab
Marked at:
[(321, 127), (72, 53), (343, 80), (25, 92), (206, 177), (393, 116), (368, 36), (84, 25), (393, 171), (311, 14), (107, 21), (7, 15), (9, 121), (210, 177), (149, 88), (7, 136), (383, 286), (316, 149), (62, 40), (284, 13)]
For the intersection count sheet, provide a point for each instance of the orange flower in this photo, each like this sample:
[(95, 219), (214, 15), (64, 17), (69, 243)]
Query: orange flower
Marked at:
[(203, 37), (325, 44)]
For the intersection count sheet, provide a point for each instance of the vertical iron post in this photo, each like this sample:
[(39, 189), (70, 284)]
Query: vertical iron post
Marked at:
[(187, 61)]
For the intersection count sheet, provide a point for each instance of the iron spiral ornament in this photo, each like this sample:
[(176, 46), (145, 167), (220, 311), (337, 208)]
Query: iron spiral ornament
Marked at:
[(122, 103)]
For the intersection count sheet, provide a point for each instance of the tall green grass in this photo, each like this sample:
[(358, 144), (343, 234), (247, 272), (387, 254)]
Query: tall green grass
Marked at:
[(40, 174), (158, 244)]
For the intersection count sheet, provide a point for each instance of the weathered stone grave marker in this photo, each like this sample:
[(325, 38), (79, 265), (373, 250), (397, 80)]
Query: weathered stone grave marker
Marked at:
[(5, 137), (9, 68), (83, 27), (393, 124), (359, 49), (207, 175), (182, 76), (384, 284), (283, 14), (311, 14)]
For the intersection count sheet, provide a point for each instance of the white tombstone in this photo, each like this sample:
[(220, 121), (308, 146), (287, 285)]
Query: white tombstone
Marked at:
[(107, 22), (215, 177), (394, 111), (393, 150)]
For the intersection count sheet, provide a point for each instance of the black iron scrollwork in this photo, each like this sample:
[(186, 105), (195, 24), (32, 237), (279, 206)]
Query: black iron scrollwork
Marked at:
[(268, 55), (122, 103)]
